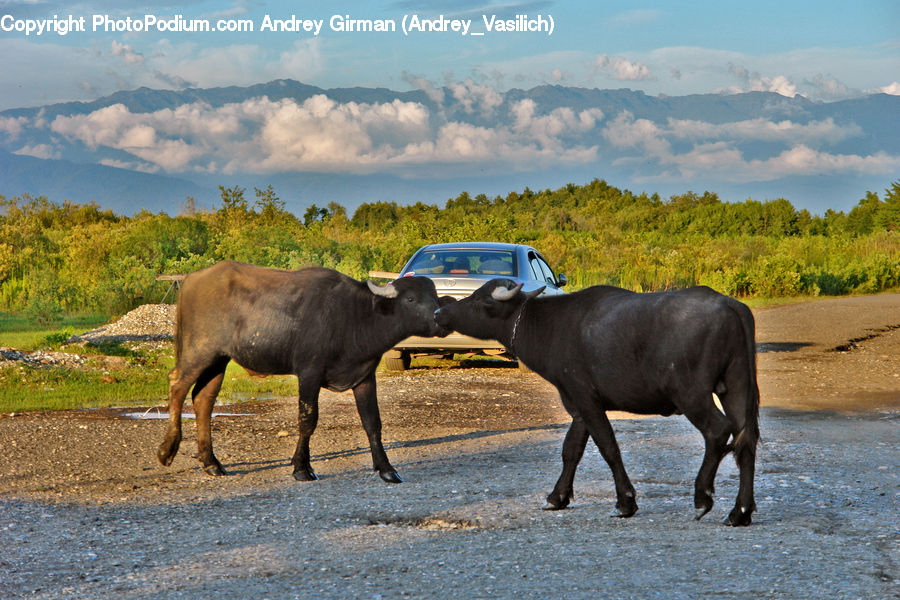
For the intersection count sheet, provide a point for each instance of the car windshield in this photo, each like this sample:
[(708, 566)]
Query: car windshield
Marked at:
[(464, 262)]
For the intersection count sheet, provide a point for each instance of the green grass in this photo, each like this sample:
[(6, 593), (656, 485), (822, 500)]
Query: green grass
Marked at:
[(17, 331), (238, 386), (27, 388), (137, 378)]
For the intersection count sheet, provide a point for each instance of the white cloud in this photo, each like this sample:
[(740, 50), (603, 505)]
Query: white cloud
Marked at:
[(828, 88), (715, 149), (435, 94), (131, 165), (547, 129), (760, 129), (461, 142), (126, 53), (321, 134), (38, 151), (621, 69), (755, 82), (893, 89), (626, 132), (474, 97), (801, 160), (102, 127), (12, 126), (820, 74)]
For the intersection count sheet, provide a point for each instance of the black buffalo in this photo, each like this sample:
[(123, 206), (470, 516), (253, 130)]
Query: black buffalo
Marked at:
[(606, 348), (324, 327)]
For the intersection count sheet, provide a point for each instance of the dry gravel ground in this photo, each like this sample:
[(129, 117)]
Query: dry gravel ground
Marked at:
[(86, 512)]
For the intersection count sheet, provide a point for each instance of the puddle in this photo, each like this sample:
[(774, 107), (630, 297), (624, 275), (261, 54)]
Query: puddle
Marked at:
[(158, 413)]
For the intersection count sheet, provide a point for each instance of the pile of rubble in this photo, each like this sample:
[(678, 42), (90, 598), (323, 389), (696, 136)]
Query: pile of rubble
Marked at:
[(40, 358), (146, 323), (150, 325)]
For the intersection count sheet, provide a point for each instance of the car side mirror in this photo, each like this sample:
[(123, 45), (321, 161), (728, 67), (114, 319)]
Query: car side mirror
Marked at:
[(563, 280)]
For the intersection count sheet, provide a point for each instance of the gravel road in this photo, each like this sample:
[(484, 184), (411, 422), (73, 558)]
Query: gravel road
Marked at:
[(86, 512)]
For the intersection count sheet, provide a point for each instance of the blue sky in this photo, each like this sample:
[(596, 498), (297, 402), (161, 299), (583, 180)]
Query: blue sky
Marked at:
[(824, 50)]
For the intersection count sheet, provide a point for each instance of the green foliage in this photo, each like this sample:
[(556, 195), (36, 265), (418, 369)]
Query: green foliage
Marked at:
[(58, 259)]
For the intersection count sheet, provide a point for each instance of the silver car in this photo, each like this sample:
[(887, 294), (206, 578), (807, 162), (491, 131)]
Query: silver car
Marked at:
[(458, 270)]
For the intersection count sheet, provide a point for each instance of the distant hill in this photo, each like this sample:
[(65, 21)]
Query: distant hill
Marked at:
[(860, 134), (121, 190)]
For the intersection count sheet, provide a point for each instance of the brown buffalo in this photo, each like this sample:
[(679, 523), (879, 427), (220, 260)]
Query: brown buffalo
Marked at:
[(324, 327)]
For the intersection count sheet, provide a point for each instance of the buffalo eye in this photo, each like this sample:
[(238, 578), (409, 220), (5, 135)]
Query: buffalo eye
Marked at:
[(410, 298)]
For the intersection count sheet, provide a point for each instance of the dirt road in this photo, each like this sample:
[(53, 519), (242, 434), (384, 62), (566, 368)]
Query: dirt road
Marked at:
[(86, 512)]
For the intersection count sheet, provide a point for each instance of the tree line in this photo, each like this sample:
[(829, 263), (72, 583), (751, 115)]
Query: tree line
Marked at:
[(64, 257)]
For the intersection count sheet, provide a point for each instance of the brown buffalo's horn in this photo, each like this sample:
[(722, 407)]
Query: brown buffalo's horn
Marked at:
[(386, 291)]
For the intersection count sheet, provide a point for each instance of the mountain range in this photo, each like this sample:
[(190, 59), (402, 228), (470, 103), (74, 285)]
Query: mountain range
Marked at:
[(150, 149)]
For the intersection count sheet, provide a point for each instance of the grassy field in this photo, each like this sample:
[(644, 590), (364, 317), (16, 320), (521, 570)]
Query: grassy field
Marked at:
[(138, 381), (17, 331), (112, 375)]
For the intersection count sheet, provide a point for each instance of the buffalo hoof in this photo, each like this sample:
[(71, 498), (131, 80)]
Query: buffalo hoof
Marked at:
[(390, 476), (556, 502), (623, 513), (166, 453), (164, 456), (305, 474), (739, 517), (624, 509), (703, 503), (215, 469)]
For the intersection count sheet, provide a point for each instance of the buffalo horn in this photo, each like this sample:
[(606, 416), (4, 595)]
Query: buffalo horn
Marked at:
[(502, 294), (387, 291), (536, 292)]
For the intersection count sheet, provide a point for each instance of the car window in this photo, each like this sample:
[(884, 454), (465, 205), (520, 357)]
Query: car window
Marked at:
[(541, 271), (548, 275), (534, 267), (464, 262)]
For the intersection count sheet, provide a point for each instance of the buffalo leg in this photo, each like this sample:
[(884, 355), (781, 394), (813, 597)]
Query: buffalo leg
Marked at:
[(716, 430), (204, 397), (603, 435), (179, 384), (573, 450), (307, 419), (741, 404), (745, 455), (367, 406)]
